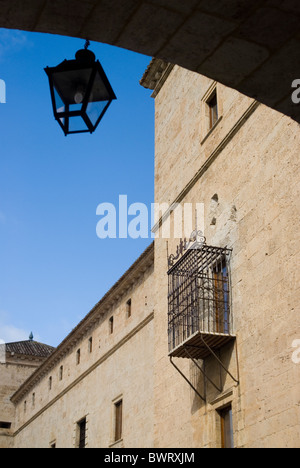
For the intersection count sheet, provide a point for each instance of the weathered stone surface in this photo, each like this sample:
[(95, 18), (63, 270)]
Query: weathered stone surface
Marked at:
[(256, 213), (20, 363), (204, 31), (275, 84), (239, 58)]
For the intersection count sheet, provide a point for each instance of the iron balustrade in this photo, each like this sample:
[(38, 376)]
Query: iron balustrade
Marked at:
[(199, 299)]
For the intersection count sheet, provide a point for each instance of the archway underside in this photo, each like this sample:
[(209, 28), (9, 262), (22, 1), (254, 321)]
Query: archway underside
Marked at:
[(251, 46)]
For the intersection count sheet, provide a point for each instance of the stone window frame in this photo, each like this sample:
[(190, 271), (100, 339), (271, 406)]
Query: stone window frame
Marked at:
[(115, 403), (129, 308), (223, 401), (225, 410), (206, 128), (78, 356), (111, 325), (77, 431), (90, 345)]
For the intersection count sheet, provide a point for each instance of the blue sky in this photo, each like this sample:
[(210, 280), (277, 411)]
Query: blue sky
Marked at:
[(53, 267)]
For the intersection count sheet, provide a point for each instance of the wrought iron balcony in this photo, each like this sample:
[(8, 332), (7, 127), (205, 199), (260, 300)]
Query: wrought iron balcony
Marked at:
[(199, 315)]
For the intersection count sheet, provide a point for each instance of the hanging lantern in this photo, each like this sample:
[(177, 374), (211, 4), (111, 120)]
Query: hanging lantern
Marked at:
[(80, 92)]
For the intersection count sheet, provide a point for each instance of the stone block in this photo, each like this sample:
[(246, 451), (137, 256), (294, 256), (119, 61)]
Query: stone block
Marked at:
[(204, 31), (269, 27), (146, 32), (236, 10), (73, 15), (177, 5), (276, 84), (233, 61), (108, 20)]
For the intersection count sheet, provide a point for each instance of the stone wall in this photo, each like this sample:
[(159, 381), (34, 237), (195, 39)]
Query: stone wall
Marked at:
[(246, 173), (13, 373)]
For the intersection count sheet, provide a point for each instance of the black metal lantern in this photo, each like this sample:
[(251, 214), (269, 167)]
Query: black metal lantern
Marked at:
[(80, 92)]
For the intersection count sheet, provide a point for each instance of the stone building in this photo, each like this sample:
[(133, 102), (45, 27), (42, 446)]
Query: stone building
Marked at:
[(97, 386), (241, 160), (193, 347), (18, 361)]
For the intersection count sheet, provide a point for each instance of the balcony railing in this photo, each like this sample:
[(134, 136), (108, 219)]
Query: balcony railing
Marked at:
[(199, 314)]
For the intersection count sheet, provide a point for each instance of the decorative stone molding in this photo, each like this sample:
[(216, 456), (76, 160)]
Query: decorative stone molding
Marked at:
[(156, 75)]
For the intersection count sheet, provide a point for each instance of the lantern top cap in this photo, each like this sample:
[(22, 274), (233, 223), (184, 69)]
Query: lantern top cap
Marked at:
[(85, 56)]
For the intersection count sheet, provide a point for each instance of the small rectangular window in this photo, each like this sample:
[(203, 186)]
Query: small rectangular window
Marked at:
[(111, 325), (50, 383), (226, 427), (118, 420), (221, 297), (78, 357), (91, 345), (82, 433), (5, 425), (61, 372), (213, 109), (128, 308), (33, 400)]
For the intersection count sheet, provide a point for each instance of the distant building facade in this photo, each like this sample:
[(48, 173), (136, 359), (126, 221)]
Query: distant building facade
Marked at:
[(19, 362), (193, 346), (96, 389)]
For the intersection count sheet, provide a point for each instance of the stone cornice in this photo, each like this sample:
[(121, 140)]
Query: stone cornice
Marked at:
[(145, 261), (156, 74)]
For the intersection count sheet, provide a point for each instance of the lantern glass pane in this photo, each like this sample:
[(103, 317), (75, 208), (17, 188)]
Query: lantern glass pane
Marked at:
[(100, 89), (72, 85), (63, 122), (59, 104), (94, 110), (77, 124), (75, 107)]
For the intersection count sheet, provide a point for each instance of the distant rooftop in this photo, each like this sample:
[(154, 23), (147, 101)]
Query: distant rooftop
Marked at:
[(30, 348)]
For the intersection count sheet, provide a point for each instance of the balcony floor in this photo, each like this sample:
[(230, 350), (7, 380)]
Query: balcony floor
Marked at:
[(193, 347)]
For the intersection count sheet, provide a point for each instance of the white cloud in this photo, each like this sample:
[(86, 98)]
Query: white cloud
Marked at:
[(9, 333), (13, 42)]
